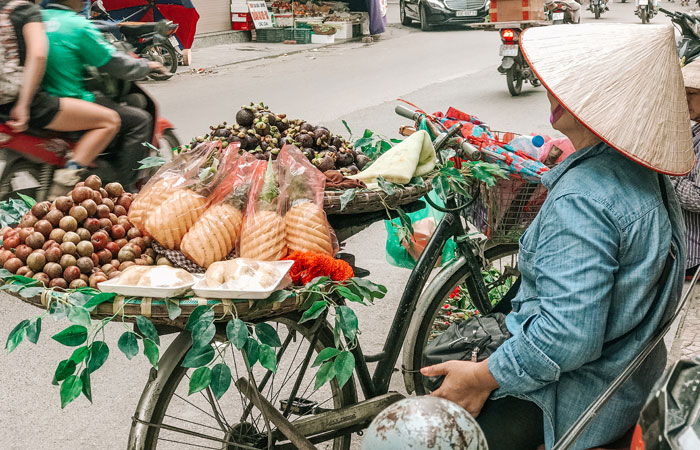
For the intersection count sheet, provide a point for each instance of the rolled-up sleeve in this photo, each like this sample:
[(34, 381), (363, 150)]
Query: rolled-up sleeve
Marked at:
[(575, 263)]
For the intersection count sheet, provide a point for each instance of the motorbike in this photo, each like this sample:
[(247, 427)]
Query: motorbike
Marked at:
[(645, 11), (562, 13), (689, 43), (513, 64), (598, 7), (149, 40), (28, 160)]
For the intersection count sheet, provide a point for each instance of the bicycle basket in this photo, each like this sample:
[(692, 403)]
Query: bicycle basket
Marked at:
[(504, 212)]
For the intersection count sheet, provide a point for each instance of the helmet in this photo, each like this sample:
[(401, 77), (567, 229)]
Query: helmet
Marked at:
[(424, 423)]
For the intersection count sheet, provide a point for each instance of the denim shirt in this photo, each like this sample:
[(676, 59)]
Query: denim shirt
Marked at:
[(590, 264)]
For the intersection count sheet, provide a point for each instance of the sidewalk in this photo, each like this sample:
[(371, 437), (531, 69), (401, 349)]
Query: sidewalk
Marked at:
[(686, 342)]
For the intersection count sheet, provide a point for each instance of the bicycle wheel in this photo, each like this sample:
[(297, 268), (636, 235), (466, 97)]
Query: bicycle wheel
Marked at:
[(182, 421), (432, 317), (164, 54)]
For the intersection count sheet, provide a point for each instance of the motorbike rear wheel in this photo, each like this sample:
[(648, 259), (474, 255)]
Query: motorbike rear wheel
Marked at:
[(164, 54), (596, 12), (514, 79), (643, 15)]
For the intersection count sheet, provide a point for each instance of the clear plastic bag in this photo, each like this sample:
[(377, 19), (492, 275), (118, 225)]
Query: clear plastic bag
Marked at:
[(215, 234), (305, 224), (185, 202), (262, 233)]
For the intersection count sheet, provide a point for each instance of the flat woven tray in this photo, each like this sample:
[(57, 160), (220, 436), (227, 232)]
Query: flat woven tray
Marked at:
[(156, 309), (370, 200)]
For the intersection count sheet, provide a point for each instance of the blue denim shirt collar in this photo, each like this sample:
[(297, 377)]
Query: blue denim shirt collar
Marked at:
[(550, 178)]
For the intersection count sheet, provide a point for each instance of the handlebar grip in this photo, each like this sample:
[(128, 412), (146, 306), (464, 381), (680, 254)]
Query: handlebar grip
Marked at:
[(470, 151), (404, 112)]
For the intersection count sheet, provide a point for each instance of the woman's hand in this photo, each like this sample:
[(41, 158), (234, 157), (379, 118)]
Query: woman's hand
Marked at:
[(19, 117), (466, 383)]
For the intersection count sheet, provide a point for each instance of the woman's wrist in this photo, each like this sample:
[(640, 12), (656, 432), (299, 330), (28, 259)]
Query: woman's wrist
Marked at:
[(484, 376)]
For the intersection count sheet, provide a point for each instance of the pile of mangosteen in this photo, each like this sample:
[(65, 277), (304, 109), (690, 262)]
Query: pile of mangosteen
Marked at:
[(264, 133)]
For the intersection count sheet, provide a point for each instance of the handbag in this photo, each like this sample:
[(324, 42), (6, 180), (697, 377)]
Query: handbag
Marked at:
[(477, 337)]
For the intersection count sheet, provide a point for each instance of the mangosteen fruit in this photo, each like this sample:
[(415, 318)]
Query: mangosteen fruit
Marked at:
[(245, 117), (306, 126), (305, 139), (361, 160), (309, 153), (343, 158), (324, 162), (337, 141)]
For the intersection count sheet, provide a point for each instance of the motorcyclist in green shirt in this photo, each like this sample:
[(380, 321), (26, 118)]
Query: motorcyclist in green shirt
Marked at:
[(74, 44)]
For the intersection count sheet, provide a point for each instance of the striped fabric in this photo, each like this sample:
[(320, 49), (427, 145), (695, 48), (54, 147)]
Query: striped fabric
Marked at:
[(688, 191)]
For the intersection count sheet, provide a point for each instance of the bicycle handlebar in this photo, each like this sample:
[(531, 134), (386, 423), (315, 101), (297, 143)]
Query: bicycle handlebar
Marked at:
[(405, 112)]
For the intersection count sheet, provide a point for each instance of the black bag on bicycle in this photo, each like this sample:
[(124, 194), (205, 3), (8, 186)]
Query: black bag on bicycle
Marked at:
[(473, 339)]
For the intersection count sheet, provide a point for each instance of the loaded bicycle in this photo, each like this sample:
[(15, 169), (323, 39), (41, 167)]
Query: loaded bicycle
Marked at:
[(286, 409)]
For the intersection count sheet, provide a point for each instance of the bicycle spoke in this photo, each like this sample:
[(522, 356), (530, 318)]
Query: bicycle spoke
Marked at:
[(193, 423), (188, 444), (193, 405)]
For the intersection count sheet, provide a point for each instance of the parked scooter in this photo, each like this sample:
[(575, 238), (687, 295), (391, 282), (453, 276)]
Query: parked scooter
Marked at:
[(645, 10), (598, 7), (689, 43), (150, 40), (513, 64), (28, 160)]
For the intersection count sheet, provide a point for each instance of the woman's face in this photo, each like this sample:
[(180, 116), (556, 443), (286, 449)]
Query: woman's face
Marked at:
[(693, 96), (563, 121)]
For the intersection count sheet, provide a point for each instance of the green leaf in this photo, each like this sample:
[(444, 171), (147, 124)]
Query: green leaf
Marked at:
[(405, 219), (362, 142), (27, 199), (5, 274), (65, 369), (382, 147), (376, 290), (201, 312), (348, 321), (348, 294), (237, 333), (347, 197), (87, 385), (99, 351), (324, 374), (368, 133), (128, 344), (70, 390), (441, 185), (317, 283), (336, 331), (98, 299), (79, 316), (58, 311), (324, 355), (79, 298), (79, 354), (316, 309), (268, 357), (198, 357), (34, 330), (267, 334), (72, 336), (347, 127), (150, 349), (16, 336), (310, 299), (147, 329), (203, 333), (150, 162), (30, 292), (251, 351), (279, 296), (386, 186), (447, 154), (220, 380), (344, 365), (200, 380), (174, 310)]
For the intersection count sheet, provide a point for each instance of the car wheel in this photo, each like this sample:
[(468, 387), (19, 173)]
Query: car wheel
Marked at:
[(405, 21), (424, 21)]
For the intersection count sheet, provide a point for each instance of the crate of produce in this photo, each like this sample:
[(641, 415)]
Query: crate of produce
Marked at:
[(322, 38), (344, 30), (270, 34), (241, 21), (283, 20), (516, 10), (300, 35)]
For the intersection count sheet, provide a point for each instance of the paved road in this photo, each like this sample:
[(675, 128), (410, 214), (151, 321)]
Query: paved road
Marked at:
[(354, 82)]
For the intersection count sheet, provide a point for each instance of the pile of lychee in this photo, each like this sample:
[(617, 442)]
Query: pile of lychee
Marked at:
[(78, 240)]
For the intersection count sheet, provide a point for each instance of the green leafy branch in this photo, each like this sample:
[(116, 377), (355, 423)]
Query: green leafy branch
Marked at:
[(12, 210)]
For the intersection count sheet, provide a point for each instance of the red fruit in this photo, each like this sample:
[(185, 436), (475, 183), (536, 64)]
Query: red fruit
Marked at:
[(97, 197), (125, 201), (90, 206), (4, 230), (23, 251), (104, 256), (54, 254), (71, 273), (41, 209), (48, 244), (58, 283), (42, 278), (124, 222), (25, 272), (139, 242), (10, 242), (95, 259), (115, 263), (118, 232), (119, 210), (121, 242), (133, 233), (106, 224), (77, 284), (24, 233), (28, 220), (113, 218), (36, 240), (64, 204), (91, 224), (54, 217), (13, 265), (99, 240), (82, 193), (103, 211), (5, 255), (108, 203), (113, 247)]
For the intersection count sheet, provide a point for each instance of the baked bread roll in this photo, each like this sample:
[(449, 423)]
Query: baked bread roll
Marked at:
[(262, 237), (306, 229), (176, 214), (155, 276)]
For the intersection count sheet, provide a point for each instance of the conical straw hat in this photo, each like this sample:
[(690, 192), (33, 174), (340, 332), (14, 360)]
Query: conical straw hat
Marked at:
[(623, 82), (691, 75)]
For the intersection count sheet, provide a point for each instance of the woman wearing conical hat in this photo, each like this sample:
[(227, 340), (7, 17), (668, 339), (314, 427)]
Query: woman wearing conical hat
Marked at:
[(688, 187), (592, 261)]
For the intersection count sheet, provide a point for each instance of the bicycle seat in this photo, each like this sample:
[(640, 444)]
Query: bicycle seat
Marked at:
[(137, 28)]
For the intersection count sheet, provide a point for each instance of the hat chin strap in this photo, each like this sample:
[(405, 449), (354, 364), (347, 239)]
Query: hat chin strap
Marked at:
[(556, 114)]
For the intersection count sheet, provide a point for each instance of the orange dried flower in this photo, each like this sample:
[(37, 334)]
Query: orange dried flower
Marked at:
[(308, 265)]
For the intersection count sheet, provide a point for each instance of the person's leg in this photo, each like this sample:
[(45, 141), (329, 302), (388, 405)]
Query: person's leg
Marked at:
[(101, 123), (511, 423)]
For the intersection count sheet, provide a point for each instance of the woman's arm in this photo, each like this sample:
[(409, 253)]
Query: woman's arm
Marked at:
[(34, 66)]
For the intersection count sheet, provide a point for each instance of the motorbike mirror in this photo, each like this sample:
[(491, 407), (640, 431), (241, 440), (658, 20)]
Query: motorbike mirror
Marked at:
[(97, 9)]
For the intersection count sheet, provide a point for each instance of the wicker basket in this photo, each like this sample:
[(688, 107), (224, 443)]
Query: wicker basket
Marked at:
[(370, 200), (504, 212), (156, 309)]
